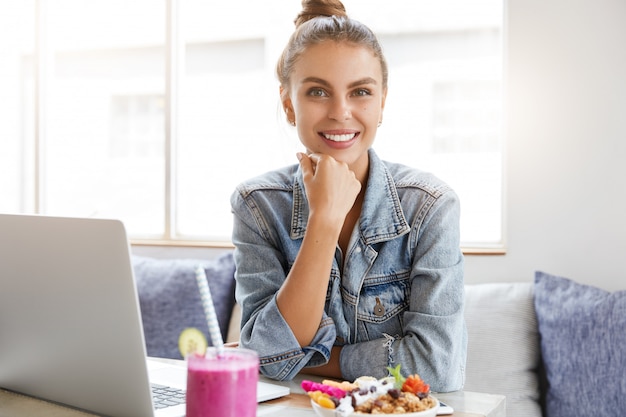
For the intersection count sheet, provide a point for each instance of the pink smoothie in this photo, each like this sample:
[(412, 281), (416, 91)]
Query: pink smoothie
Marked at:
[(224, 386)]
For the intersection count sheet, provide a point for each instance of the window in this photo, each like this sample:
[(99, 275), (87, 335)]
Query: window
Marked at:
[(17, 43), (152, 111)]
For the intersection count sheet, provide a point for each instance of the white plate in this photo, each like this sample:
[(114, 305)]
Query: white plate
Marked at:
[(327, 412)]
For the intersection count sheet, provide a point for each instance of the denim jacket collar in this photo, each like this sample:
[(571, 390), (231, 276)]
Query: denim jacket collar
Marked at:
[(381, 218)]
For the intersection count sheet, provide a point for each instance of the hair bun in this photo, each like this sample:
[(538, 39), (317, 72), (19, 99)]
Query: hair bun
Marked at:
[(315, 8)]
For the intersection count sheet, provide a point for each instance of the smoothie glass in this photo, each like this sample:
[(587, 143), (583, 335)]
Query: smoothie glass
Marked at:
[(223, 386)]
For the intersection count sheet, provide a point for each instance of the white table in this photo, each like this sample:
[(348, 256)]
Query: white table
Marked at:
[(296, 404)]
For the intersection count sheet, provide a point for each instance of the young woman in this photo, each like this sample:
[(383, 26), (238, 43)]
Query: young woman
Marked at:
[(347, 264)]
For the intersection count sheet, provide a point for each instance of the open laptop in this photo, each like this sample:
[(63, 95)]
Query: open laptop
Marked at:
[(70, 323)]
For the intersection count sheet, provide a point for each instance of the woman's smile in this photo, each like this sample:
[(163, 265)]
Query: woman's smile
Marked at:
[(340, 139)]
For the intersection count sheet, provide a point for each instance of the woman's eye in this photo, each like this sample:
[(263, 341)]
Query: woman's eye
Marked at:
[(317, 92), (362, 92)]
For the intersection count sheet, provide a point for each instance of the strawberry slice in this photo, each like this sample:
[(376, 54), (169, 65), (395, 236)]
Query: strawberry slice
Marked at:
[(415, 384)]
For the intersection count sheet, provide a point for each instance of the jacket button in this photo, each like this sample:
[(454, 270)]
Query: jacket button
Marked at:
[(379, 309)]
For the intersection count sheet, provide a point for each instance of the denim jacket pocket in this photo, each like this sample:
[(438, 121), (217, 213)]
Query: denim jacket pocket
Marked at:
[(381, 302)]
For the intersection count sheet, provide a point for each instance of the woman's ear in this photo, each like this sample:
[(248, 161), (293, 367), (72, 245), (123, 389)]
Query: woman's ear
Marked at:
[(384, 98), (287, 105), (382, 106)]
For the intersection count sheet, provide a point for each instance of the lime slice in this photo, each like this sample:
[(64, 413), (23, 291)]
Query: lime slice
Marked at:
[(192, 340)]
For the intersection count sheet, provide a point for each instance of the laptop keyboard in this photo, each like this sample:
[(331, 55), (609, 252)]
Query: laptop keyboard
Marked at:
[(163, 396)]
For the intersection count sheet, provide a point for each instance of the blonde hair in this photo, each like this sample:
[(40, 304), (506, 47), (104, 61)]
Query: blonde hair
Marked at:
[(323, 20)]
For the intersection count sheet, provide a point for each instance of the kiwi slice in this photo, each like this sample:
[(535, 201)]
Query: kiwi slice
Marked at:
[(192, 340)]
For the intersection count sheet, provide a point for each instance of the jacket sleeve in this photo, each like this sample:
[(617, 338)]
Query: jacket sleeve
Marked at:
[(434, 339), (261, 269)]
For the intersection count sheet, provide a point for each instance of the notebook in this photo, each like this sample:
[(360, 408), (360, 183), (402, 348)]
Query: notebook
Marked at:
[(70, 322)]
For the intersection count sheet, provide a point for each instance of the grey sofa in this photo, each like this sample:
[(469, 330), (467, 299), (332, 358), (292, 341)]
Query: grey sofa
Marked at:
[(170, 301), (553, 347)]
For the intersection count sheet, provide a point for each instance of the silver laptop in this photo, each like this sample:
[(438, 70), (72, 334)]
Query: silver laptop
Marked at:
[(70, 323)]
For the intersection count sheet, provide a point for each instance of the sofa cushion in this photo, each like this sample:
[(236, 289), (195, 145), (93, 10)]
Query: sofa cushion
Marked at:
[(503, 345), (583, 344), (170, 300)]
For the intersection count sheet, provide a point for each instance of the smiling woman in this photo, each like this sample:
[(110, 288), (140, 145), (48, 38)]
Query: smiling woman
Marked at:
[(346, 264), (152, 111)]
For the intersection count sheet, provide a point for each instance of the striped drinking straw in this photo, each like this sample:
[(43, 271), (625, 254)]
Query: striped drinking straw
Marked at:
[(209, 311)]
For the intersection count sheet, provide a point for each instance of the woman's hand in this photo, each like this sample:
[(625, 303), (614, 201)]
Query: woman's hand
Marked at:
[(331, 187)]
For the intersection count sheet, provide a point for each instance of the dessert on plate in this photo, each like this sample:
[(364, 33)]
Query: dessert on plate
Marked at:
[(395, 394)]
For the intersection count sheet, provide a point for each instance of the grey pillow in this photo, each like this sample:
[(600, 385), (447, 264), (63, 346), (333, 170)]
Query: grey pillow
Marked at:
[(170, 300), (583, 344), (503, 345)]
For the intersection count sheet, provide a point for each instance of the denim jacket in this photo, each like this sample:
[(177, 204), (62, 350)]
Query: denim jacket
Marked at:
[(395, 297)]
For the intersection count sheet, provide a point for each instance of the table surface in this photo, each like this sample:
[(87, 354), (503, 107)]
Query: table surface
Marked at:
[(296, 404)]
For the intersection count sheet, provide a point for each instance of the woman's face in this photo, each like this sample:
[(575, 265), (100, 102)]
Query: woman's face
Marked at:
[(337, 99)]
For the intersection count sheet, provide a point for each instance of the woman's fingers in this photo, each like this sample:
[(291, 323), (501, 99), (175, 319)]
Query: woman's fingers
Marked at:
[(330, 184), (306, 164)]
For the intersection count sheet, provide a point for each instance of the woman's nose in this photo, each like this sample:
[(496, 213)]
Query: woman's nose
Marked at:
[(340, 109)]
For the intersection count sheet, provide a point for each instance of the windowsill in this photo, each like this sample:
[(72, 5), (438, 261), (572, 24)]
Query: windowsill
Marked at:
[(482, 251), (471, 251), (182, 243)]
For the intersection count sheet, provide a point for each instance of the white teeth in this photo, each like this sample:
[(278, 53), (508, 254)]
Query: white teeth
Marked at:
[(340, 138)]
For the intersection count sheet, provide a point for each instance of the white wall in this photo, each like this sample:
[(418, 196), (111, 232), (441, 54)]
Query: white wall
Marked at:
[(565, 150)]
